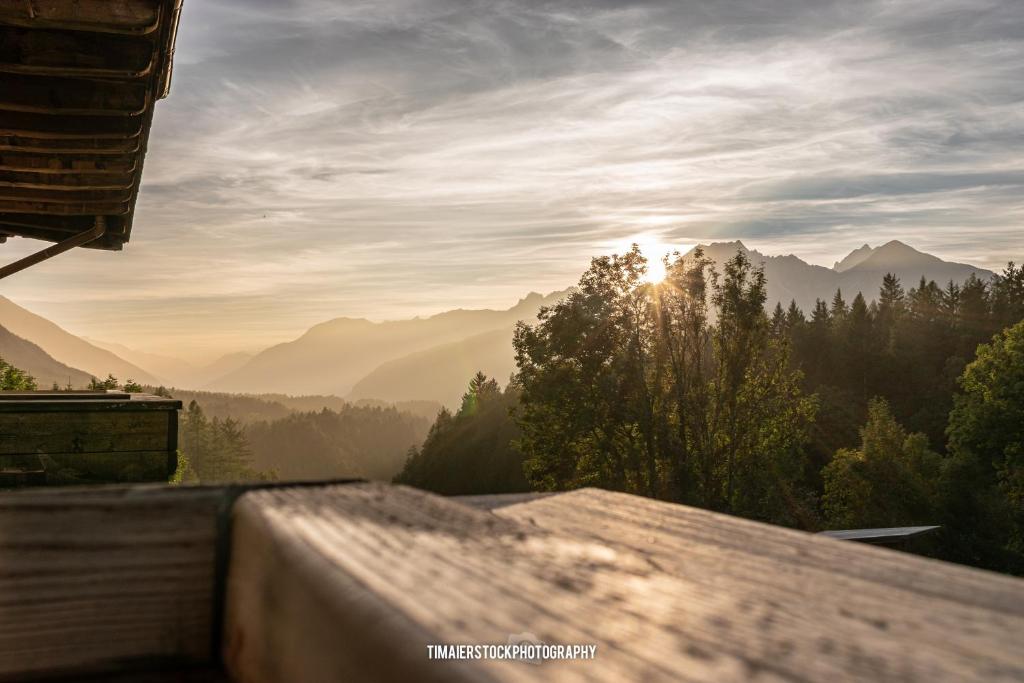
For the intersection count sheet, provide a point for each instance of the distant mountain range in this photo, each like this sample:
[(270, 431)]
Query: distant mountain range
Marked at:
[(176, 372), (65, 347), (423, 359), (27, 356), (792, 279), (332, 357)]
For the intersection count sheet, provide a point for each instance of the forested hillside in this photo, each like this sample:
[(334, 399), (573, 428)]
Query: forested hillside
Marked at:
[(332, 356), (64, 346), (242, 438), (471, 450), (47, 371), (854, 414)]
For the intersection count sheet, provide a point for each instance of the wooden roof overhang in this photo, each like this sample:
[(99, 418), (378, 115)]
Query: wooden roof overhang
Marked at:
[(78, 82)]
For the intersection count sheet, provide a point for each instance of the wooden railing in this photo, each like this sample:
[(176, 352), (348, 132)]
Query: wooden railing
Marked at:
[(355, 581)]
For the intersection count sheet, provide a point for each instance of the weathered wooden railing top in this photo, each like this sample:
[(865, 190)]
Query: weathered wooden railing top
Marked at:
[(355, 581)]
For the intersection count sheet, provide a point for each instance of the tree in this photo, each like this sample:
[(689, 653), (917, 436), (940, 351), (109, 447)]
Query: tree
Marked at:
[(891, 480), (473, 451), (986, 437), (628, 385), (216, 450), (14, 379), (839, 309), (1008, 296), (108, 384)]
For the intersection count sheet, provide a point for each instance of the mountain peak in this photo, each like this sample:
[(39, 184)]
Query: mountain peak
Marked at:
[(854, 258), (896, 245), (895, 255)]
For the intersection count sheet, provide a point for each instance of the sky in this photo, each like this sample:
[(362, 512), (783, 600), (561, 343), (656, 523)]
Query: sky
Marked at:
[(385, 159)]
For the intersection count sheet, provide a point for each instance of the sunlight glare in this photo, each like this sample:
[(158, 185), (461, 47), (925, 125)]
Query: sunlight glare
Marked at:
[(655, 271)]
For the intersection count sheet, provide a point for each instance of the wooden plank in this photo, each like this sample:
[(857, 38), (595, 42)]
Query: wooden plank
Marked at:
[(106, 579), (847, 611), (499, 500), (71, 53), (73, 149), (44, 164), (70, 402), (64, 209), (354, 582), (66, 182), (68, 127), (82, 432), (71, 96), (109, 241), (111, 16), (55, 196), (79, 469), (58, 224)]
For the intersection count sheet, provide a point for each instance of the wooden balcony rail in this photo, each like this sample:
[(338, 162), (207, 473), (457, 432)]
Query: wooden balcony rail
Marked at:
[(353, 582)]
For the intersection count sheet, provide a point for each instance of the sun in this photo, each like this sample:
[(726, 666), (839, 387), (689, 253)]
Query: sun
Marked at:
[(655, 271)]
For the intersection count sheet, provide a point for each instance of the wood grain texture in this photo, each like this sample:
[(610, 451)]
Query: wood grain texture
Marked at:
[(353, 582), (106, 578), (83, 432), (499, 500)]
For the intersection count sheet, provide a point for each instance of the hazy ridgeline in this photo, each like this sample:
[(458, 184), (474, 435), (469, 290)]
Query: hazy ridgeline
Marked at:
[(854, 415), (234, 437), (862, 411)]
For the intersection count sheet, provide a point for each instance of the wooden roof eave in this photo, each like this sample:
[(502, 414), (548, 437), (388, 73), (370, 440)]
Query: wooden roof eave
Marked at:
[(78, 82)]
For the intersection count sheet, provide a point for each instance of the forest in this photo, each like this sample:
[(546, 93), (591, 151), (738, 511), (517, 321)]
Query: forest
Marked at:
[(906, 410)]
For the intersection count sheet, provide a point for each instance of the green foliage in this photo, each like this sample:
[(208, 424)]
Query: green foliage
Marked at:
[(184, 473), (907, 347), (132, 386), (891, 480), (109, 383), (13, 379), (473, 451), (364, 442), (986, 437), (215, 450), (629, 386)]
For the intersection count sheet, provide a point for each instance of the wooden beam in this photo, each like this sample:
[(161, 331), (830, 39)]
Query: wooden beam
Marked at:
[(29, 94), (67, 165), (73, 54), (77, 208), (106, 579), (66, 183), (73, 224), (53, 195), (56, 127), (135, 17), (801, 606), (70, 147), (354, 583), (109, 242), (81, 239)]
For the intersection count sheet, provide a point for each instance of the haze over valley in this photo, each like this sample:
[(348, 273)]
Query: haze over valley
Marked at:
[(421, 359)]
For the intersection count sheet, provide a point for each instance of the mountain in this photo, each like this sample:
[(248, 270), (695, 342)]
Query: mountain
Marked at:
[(66, 347), (222, 366), (26, 356), (330, 358), (167, 369), (176, 372), (853, 258), (441, 373), (790, 278)]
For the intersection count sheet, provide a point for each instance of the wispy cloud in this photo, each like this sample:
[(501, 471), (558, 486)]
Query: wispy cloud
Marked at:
[(390, 158)]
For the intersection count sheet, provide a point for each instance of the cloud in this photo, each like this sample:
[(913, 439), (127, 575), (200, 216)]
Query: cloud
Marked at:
[(390, 158)]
